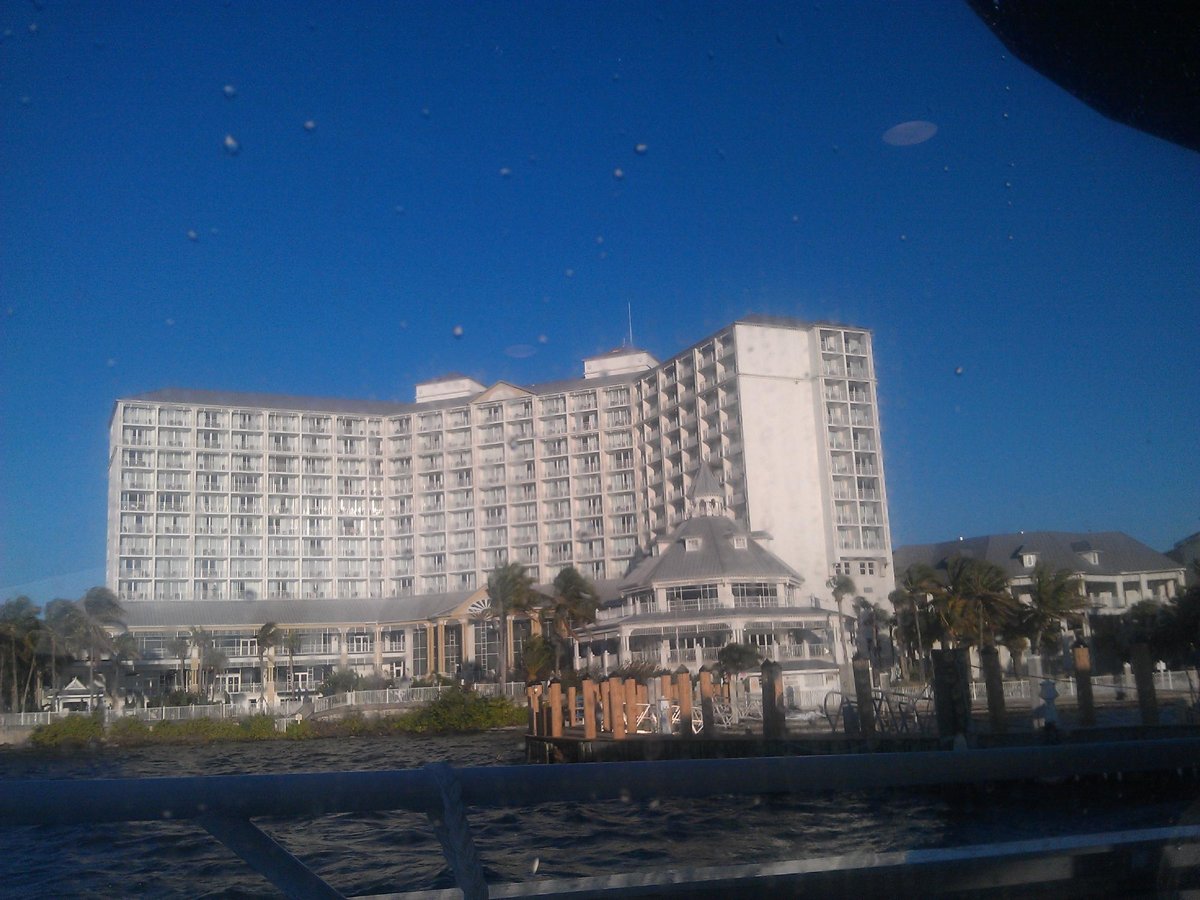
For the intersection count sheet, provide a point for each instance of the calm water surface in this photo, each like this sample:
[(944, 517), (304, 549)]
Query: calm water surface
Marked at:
[(365, 854)]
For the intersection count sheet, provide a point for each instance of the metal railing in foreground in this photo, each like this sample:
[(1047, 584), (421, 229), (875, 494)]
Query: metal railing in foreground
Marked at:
[(224, 805)]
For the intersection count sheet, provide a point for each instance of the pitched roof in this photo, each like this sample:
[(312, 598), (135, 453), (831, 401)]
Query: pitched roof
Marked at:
[(717, 557), (1118, 552)]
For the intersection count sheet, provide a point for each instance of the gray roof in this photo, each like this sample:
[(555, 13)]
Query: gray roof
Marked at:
[(1118, 553), (331, 611), (706, 484), (717, 558)]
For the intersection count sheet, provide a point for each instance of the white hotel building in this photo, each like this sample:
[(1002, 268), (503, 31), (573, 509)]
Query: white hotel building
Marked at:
[(229, 496)]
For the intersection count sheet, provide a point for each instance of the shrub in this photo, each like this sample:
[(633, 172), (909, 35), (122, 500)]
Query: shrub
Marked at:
[(71, 732), (128, 732)]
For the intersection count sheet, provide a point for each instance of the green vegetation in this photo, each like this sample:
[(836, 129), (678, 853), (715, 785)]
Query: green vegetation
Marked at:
[(456, 711)]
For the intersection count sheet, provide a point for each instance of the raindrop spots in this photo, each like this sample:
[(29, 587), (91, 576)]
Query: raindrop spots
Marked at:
[(655, 803), (505, 172), (229, 91), (958, 370), (310, 125), (542, 339), (599, 239), (1008, 184), (169, 322), (1010, 237), (457, 331), (795, 218), (213, 231), (33, 27), (533, 869), (26, 100), (1006, 115), (231, 145), (626, 796), (945, 168), (570, 273), (909, 134), (904, 237), (192, 234), (1008, 87), (8, 32), (8, 311), (519, 351), (618, 174), (403, 323), (110, 362), (640, 149), (424, 112)]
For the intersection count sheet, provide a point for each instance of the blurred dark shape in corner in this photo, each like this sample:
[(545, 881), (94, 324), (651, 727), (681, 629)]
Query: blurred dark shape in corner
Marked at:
[(1137, 63)]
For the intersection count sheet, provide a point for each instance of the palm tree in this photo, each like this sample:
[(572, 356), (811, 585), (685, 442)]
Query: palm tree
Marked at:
[(101, 613), (201, 642), (18, 628), (574, 603), (57, 628), (974, 602), (536, 657), (268, 639), (1053, 598), (841, 586), (124, 646), (180, 648), (509, 590), (910, 599), (292, 641)]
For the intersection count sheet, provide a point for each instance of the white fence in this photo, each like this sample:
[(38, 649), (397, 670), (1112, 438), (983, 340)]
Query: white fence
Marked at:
[(1183, 682), (402, 696)]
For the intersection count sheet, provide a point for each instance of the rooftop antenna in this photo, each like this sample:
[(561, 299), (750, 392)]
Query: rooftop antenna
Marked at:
[(629, 309)]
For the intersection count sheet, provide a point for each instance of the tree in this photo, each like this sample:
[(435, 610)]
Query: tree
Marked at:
[(510, 590), (537, 656), (19, 631), (914, 621), (974, 604), (734, 658), (201, 643), (99, 614), (124, 646), (292, 642), (842, 586), (1054, 597), (574, 603), (57, 626), (180, 648), (268, 638)]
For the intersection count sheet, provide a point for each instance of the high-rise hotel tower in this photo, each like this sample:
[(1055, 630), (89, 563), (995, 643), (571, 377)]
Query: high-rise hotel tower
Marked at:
[(218, 495)]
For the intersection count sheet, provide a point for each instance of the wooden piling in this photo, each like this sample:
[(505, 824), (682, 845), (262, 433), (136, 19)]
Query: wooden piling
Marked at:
[(989, 659), (589, 709), (531, 698), (668, 687), (1143, 677), (683, 689), (617, 691), (606, 715), (1086, 704), (572, 704), (706, 703), (774, 724), (555, 705), (631, 705)]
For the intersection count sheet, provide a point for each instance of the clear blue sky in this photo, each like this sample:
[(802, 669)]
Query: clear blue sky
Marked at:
[(460, 171)]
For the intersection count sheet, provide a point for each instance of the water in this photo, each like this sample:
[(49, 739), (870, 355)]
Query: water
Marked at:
[(365, 854)]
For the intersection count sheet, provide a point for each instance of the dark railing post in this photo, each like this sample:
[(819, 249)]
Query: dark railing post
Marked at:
[(1143, 677), (683, 687), (989, 660), (1083, 685), (951, 691), (772, 701)]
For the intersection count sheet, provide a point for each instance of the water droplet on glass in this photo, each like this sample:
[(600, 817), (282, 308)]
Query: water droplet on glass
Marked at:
[(33, 27), (213, 231), (110, 362), (310, 125), (626, 796), (570, 273), (945, 168), (1008, 184), (1006, 115), (505, 172), (404, 323), (519, 351), (599, 239), (231, 145), (26, 100), (904, 237), (537, 861), (795, 218), (399, 209), (229, 91), (958, 370), (170, 322), (1008, 87), (618, 174), (425, 112), (640, 149), (909, 134), (192, 235), (8, 311), (458, 331), (1010, 237), (542, 339), (8, 32)]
